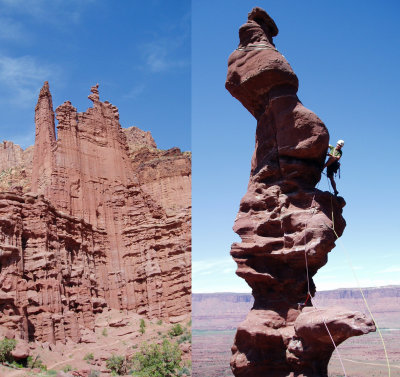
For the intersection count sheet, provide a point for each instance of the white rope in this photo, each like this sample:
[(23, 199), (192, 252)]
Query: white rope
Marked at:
[(359, 287), (308, 284)]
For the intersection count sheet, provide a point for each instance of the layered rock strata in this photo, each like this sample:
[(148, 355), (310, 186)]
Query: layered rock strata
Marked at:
[(88, 236), (286, 225), (164, 175)]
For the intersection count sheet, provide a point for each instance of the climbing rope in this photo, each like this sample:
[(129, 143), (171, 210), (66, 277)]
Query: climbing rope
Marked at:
[(251, 47), (359, 287), (308, 284)]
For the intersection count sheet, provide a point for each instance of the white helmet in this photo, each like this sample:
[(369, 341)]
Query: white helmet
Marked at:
[(340, 142)]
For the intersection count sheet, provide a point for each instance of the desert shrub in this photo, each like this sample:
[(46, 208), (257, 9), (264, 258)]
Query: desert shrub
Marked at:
[(104, 332), (6, 346), (88, 357), (159, 322), (187, 337), (142, 326), (52, 372), (176, 330), (67, 368), (16, 365), (35, 363), (185, 371), (118, 364), (94, 373), (157, 360)]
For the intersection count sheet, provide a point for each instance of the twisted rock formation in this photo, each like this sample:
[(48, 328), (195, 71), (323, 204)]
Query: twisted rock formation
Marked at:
[(88, 236), (285, 223)]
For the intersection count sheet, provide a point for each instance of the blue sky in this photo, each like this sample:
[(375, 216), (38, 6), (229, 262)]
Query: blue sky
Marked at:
[(346, 56), (165, 76), (138, 52)]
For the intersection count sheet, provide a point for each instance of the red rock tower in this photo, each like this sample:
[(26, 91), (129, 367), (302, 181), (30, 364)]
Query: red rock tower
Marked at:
[(45, 141), (88, 236), (285, 223)]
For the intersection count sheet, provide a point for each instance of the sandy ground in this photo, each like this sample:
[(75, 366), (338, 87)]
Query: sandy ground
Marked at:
[(116, 333)]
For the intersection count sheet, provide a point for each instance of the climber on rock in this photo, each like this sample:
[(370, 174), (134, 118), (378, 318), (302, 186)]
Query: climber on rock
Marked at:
[(333, 165)]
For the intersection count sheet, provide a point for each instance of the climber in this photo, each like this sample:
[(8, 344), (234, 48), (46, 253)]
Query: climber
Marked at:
[(333, 165)]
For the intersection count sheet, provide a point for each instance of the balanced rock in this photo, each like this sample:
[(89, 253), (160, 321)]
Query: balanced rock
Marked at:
[(286, 225)]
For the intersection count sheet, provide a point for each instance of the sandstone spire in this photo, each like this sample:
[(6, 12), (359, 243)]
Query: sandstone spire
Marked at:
[(100, 235), (285, 223), (45, 140), (94, 96)]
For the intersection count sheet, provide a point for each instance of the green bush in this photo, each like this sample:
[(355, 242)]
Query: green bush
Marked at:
[(159, 322), (16, 365), (187, 337), (104, 332), (118, 364), (88, 357), (67, 368), (176, 330), (94, 373), (6, 346), (142, 326), (185, 371), (35, 363), (157, 360)]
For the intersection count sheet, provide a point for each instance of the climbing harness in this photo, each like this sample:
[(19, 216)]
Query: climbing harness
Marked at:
[(251, 47)]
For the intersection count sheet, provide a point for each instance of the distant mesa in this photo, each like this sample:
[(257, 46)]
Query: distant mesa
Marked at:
[(96, 218), (285, 223)]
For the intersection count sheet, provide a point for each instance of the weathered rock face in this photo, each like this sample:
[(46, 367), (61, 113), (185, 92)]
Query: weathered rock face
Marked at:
[(53, 270), (88, 236), (164, 175), (285, 223), (136, 138), (10, 155), (15, 166)]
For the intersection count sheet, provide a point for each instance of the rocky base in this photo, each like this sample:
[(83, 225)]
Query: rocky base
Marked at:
[(293, 343)]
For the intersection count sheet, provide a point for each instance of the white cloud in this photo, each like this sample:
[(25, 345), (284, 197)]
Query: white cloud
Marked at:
[(205, 267), (217, 275), (57, 12), (390, 269), (23, 77), (158, 56), (135, 92), (11, 29)]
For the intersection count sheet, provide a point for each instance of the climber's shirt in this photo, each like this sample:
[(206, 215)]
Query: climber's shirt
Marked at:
[(335, 165), (335, 152)]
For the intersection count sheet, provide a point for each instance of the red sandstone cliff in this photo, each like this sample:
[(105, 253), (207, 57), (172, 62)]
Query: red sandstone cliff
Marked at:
[(164, 175), (89, 235)]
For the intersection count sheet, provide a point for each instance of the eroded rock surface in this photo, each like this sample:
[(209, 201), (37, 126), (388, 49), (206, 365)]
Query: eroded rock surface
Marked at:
[(89, 236), (285, 223), (15, 166)]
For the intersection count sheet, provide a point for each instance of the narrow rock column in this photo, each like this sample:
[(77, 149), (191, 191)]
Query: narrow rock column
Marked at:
[(45, 141), (285, 223)]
